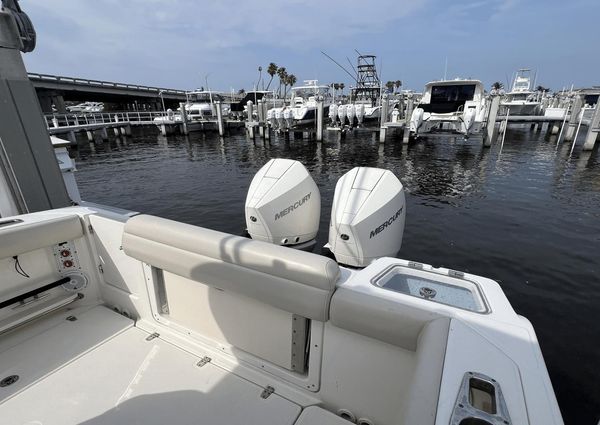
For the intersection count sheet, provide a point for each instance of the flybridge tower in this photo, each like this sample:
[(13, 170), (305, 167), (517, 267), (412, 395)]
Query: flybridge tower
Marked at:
[(368, 84)]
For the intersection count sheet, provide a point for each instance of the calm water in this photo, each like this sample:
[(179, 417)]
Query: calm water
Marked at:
[(526, 216)]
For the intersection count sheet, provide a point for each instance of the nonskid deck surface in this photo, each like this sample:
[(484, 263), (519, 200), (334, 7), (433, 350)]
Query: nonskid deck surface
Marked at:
[(100, 369)]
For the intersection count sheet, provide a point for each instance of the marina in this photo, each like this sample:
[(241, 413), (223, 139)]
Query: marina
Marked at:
[(290, 252)]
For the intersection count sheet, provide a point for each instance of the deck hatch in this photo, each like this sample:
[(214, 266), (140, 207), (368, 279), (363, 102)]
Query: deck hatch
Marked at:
[(451, 289)]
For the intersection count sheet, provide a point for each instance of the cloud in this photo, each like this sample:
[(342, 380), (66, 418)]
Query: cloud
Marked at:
[(160, 36)]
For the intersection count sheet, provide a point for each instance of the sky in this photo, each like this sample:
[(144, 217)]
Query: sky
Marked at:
[(183, 44)]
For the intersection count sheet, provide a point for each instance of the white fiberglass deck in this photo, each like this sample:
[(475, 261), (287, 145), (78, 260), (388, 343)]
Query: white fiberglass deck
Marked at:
[(100, 369)]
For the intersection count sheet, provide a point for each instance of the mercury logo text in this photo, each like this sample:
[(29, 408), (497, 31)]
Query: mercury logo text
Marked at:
[(291, 208), (386, 224)]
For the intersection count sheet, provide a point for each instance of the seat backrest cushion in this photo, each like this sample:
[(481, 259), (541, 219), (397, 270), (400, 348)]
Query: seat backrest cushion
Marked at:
[(295, 281)]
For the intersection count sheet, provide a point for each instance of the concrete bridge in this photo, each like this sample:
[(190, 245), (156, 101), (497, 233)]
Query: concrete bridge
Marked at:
[(55, 90)]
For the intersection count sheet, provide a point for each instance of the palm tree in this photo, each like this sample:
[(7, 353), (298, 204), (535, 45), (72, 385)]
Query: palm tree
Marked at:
[(542, 89), (398, 84), (336, 87), (271, 70), (342, 88), (281, 73), (389, 85), (497, 86), (289, 80), (259, 78)]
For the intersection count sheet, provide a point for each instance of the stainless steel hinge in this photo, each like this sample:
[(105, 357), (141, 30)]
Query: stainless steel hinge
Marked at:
[(415, 265), (152, 336), (457, 274), (90, 229), (203, 361), (267, 392), (100, 268)]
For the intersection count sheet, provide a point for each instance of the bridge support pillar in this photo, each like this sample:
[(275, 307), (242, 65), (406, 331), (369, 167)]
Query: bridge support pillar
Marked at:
[(72, 138), (59, 104), (104, 133), (45, 103), (90, 135)]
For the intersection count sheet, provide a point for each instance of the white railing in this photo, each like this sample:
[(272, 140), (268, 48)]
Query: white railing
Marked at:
[(74, 119), (99, 83)]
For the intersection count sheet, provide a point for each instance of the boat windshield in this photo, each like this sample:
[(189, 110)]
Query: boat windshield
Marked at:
[(306, 92), (448, 98), (452, 94), (519, 96), (203, 97)]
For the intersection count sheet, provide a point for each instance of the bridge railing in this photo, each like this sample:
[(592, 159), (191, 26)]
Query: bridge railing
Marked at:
[(74, 119), (99, 83)]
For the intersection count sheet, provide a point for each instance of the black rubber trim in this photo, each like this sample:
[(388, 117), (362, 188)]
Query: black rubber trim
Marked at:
[(34, 292)]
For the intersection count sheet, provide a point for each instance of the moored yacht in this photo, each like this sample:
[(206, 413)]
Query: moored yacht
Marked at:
[(456, 106), (302, 110), (201, 105), (521, 99)]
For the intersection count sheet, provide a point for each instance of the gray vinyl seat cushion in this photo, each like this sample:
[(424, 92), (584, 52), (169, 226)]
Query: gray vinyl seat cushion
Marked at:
[(295, 281)]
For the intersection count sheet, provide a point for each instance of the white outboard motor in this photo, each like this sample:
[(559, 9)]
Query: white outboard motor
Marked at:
[(271, 118), (288, 116), (360, 113), (367, 216), (468, 120), (416, 119), (279, 118), (283, 205), (350, 112), (342, 114), (333, 110)]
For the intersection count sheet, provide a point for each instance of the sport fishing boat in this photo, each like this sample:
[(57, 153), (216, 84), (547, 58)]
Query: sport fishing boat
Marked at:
[(522, 100), (302, 110), (365, 97), (109, 316), (456, 106)]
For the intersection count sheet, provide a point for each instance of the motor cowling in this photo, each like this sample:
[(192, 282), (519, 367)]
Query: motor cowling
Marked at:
[(283, 205), (367, 217), (416, 119)]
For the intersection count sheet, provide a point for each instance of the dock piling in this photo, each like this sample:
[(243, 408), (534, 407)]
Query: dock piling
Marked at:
[(220, 118), (184, 119), (592, 134), (572, 126), (407, 116), (490, 127), (260, 111), (320, 120), (384, 117)]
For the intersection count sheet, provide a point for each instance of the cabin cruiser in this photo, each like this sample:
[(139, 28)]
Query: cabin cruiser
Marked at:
[(201, 105), (109, 316), (302, 110), (456, 106), (521, 99)]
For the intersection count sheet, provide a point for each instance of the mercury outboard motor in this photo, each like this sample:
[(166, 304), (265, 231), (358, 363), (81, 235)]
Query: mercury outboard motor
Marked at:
[(367, 216), (283, 205)]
